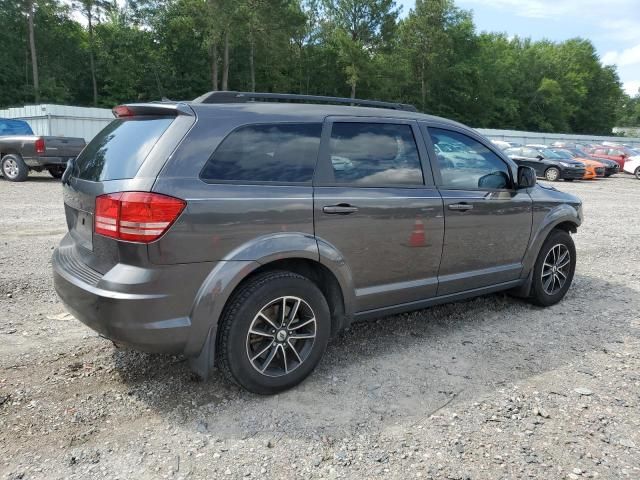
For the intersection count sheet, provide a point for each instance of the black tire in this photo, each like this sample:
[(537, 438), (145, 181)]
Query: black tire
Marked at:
[(13, 168), (637, 173), (546, 297), (233, 340), (56, 172), (552, 174)]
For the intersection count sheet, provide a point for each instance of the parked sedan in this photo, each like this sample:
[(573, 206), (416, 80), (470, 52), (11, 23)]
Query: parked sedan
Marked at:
[(610, 167), (547, 164), (593, 167), (617, 154)]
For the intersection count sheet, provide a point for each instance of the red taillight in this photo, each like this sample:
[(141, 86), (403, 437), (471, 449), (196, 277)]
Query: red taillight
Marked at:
[(136, 216), (122, 111), (39, 145)]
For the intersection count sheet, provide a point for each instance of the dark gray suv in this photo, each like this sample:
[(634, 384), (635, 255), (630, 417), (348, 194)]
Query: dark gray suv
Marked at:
[(245, 230)]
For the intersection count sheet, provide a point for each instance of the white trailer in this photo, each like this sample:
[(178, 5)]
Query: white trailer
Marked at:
[(61, 120)]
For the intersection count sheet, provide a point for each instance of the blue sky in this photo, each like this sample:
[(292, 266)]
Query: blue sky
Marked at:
[(612, 25)]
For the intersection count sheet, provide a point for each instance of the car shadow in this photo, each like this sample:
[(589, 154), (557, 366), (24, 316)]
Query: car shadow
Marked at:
[(34, 179), (403, 365)]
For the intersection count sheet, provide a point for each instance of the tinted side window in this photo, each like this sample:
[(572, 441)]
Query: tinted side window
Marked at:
[(530, 153), (266, 153), (375, 154), (467, 164)]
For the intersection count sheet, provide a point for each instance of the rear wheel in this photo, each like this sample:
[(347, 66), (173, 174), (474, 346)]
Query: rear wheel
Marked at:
[(56, 172), (554, 269), (552, 174), (14, 169), (637, 173), (273, 332)]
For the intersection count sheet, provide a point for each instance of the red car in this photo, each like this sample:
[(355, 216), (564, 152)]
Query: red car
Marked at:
[(618, 154)]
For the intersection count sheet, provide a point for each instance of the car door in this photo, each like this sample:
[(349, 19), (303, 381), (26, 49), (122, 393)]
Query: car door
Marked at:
[(487, 220), (376, 204)]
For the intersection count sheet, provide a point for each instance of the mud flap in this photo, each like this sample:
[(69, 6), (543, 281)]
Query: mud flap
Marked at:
[(204, 363)]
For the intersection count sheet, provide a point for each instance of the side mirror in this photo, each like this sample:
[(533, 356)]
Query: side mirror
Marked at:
[(539, 157), (623, 156), (526, 177)]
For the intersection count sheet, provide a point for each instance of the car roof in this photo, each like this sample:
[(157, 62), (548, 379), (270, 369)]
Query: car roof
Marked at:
[(313, 112)]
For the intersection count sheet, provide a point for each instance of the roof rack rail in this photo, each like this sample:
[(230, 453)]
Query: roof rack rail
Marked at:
[(243, 97)]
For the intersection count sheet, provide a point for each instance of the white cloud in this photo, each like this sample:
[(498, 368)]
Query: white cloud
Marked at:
[(623, 58), (564, 8), (632, 88)]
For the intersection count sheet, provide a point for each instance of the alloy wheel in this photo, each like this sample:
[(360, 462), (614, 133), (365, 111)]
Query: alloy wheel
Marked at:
[(552, 174), (555, 269), (281, 336), (10, 168)]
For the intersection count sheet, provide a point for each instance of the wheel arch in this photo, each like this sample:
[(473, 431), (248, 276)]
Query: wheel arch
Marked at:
[(317, 264), (568, 221)]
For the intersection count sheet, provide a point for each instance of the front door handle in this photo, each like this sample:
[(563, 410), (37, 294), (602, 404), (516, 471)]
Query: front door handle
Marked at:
[(340, 209), (461, 207)]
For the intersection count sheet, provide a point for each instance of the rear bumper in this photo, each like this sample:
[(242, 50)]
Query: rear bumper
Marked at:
[(47, 161), (141, 308)]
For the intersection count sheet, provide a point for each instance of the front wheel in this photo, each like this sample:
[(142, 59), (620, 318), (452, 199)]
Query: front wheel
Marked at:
[(552, 174), (637, 173), (273, 332), (554, 269)]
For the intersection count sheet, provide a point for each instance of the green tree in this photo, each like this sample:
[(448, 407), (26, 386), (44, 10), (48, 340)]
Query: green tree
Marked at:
[(358, 29)]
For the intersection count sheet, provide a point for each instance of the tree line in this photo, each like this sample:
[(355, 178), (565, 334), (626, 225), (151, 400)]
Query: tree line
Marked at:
[(99, 52)]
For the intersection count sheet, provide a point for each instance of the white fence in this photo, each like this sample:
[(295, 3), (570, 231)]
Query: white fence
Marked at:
[(62, 120), (548, 138), (66, 121)]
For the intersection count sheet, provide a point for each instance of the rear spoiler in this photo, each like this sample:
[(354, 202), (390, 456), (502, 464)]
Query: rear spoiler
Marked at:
[(141, 109)]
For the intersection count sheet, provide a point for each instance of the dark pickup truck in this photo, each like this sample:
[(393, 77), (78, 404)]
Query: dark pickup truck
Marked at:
[(21, 151)]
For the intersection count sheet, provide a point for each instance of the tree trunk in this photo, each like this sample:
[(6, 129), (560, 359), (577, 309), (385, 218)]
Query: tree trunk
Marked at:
[(225, 60), (92, 65), (34, 58), (252, 68), (423, 87), (214, 67), (353, 89)]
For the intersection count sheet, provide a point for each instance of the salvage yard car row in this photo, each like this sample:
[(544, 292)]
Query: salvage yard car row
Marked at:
[(574, 161)]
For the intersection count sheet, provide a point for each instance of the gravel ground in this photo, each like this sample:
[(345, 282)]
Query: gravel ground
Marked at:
[(491, 388)]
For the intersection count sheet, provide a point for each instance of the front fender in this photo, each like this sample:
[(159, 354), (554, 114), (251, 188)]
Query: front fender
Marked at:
[(545, 219)]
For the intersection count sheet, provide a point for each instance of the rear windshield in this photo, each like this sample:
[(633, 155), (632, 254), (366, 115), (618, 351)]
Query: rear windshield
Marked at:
[(119, 150), (14, 127)]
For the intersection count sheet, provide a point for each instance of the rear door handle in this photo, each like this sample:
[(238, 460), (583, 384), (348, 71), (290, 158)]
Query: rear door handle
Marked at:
[(340, 209), (462, 207)]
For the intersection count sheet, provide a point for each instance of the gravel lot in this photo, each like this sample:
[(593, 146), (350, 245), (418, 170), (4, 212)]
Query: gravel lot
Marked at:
[(491, 388)]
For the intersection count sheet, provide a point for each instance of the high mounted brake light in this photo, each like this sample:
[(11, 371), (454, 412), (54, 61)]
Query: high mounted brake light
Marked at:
[(122, 111), (136, 216)]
